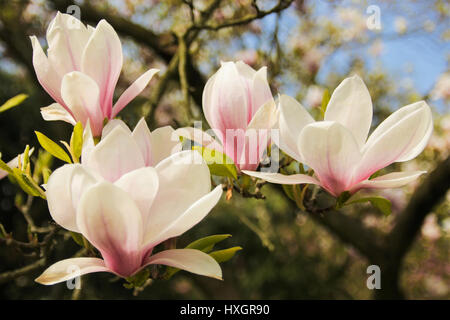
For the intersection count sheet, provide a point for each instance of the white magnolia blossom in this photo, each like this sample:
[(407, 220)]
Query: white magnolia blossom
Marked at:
[(130, 193), (338, 150)]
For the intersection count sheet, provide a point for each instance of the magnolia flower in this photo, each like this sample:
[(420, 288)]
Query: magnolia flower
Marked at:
[(125, 208), (81, 70), (240, 109), (337, 149)]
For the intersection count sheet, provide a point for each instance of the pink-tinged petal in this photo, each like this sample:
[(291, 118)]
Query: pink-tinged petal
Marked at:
[(143, 138), (265, 117), (390, 180), (351, 105), (66, 37), (133, 90), (260, 93), (115, 155), (177, 192), (64, 189), (279, 178), (109, 218), (81, 94), (401, 137), (194, 261), (71, 268), (164, 143), (55, 112), (102, 60), (198, 136), (112, 124), (88, 143), (292, 118), (332, 151), (142, 185), (49, 79), (258, 135), (193, 215), (225, 99)]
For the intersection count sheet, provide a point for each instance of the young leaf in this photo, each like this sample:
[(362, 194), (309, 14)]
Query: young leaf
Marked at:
[(25, 183), (224, 255), (78, 238), (76, 141), (382, 204), (218, 163), (206, 244), (13, 102), (5, 167), (325, 100), (52, 147)]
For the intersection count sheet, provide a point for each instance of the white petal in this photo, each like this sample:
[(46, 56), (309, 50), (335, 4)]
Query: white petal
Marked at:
[(111, 221), (142, 185), (279, 178), (265, 117), (66, 37), (71, 268), (88, 143), (49, 79), (133, 90), (81, 94), (293, 117), (351, 105), (64, 189), (177, 192), (56, 112), (191, 260), (201, 137), (143, 138), (116, 155), (331, 150), (193, 215), (112, 124), (13, 163), (390, 180), (102, 60), (164, 143), (401, 137), (260, 91)]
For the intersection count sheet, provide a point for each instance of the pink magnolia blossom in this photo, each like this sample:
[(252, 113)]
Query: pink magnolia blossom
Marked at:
[(240, 109), (338, 150), (129, 194), (80, 72)]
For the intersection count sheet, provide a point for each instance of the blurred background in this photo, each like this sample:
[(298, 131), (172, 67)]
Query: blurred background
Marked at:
[(308, 46)]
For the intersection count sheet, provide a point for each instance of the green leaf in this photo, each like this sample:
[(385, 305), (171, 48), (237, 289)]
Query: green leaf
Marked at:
[(224, 255), (218, 163), (289, 191), (206, 244), (138, 279), (25, 183), (342, 199), (382, 204), (52, 147), (78, 238), (76, 141), (325, 100), (13, 102)]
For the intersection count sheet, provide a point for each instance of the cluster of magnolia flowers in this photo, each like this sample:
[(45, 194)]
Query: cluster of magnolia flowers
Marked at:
[(133, 190)]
